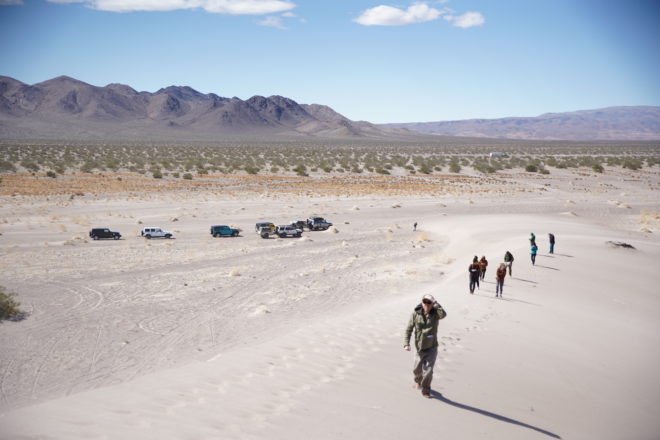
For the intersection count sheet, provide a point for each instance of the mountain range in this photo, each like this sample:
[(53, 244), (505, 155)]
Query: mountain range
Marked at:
[(612, 123), (66, 108)]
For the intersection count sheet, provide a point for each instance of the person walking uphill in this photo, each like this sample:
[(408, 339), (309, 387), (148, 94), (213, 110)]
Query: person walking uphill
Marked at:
[(508, 259), (533, 250), (551, 237), (483, 264), (474, 271), (424, 320), (500, 274)]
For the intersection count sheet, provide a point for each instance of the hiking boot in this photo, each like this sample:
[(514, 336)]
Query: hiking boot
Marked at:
[(426, 394)]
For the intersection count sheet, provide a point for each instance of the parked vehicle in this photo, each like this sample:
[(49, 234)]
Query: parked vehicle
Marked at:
[(259, 226), (300, 224), (223, 231), (318, 224), (288, 231), (152, 232), (97, 233)]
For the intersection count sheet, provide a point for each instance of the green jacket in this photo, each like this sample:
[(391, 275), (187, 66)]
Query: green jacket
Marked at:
[(426, 327)]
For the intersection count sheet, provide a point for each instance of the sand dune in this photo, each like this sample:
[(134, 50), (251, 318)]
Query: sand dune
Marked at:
[(158, 340)]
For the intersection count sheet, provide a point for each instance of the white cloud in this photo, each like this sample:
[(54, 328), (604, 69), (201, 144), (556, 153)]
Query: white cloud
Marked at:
[(469, 19), (10, 2), (274, 22), (390, 16), (230, 7)]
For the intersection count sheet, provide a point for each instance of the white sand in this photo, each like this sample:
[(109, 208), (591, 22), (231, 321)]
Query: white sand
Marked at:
[(202, 338)]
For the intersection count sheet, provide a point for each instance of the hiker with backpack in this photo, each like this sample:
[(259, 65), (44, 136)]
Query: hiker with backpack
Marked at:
[(424, 320), (474, 272)]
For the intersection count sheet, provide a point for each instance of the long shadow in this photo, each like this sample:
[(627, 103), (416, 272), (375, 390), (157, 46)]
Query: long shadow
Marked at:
[(527, 281), (520, 301), (440, 397), (547, 267), (564, 255)]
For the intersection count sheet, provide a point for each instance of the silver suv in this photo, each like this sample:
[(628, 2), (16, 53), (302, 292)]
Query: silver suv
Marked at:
[(288, 231), (152, 232)]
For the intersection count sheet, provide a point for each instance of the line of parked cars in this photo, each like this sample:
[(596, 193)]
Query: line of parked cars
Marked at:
[(264, 229)]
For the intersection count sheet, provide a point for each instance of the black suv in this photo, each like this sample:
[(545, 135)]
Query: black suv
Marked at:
[(97, 233)]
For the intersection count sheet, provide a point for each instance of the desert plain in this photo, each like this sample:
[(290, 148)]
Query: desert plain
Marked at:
[(245, 338)]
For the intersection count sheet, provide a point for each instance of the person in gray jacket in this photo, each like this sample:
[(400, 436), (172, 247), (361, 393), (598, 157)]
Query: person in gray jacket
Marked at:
[(424, 320)]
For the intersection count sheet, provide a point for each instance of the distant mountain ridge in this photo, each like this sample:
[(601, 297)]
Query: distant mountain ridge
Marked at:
[(611, 123), (69, 108)]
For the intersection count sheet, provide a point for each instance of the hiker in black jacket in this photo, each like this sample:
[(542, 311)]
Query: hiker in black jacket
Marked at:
[(474, 271)]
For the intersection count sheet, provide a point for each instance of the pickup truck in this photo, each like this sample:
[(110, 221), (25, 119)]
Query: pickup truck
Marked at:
[(318, 224), (152, 232), (223, 231)]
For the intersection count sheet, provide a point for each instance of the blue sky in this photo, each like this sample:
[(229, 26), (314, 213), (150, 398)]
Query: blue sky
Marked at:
[(376, 60)]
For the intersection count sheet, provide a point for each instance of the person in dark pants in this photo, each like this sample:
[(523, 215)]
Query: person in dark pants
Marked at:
[(483, 264), (534, 249), (551, 236), (508, 259), (500, 274), (424, 321), (474, 271), (415, 226)]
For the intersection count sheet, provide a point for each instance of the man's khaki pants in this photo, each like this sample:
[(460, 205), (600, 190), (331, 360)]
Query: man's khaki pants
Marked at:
[(423, 368)]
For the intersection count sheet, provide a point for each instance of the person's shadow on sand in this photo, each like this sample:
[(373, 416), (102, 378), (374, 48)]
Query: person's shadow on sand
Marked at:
[(440, 397)]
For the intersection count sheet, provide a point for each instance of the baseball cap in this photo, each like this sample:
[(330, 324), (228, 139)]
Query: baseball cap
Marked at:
[(429, 297)]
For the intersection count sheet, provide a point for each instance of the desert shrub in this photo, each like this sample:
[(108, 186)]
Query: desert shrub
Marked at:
[(9, 307), (382, 171), (632, 164), (301, 170), (51, 174), (251, 169), (598, 168), (454, 167), (157, 174), (544, 171), (176, 175), (188, 176), (6, 166), (29, 165), (425, 169), (531, 168)]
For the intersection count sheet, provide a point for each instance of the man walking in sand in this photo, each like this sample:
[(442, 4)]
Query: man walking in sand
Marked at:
[(508, 259), (424, 320), (551, 237), (415, 226)]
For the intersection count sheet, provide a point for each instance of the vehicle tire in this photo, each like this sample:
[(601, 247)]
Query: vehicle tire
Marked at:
[(95, 237), (148, 236), (216, 235), (281, 235), (168, 236), (234, 234), (116, 237), (298, 235), (264, 235)]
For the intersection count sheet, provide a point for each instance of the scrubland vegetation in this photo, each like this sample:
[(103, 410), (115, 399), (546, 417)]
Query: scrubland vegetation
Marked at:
[(183, 161)]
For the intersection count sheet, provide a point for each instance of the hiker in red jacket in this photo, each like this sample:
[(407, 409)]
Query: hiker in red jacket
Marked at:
[(483, 264), (500, 274)]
